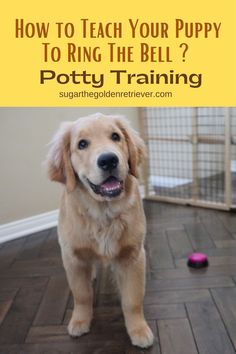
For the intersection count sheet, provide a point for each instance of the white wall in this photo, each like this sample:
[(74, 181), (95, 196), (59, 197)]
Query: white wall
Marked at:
[(24, 134)]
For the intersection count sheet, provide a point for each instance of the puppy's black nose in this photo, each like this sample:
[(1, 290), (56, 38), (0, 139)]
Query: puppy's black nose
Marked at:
[(108, 161)]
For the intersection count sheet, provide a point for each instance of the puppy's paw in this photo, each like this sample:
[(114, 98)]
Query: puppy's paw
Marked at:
[(78, 328), (142, 337)]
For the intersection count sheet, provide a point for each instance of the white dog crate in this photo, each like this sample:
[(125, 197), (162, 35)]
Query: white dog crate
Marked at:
[(191, 155)]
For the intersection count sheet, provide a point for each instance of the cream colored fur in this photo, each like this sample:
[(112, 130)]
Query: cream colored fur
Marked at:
[(94, 228)]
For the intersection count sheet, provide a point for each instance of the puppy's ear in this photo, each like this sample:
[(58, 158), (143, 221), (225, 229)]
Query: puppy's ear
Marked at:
[(136, 146), (58, 160)]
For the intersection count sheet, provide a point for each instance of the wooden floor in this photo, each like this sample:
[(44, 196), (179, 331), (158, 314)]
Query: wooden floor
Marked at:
[(189, 311)]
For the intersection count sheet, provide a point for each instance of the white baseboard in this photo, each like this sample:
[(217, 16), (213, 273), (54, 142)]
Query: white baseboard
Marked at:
[(24, 227)]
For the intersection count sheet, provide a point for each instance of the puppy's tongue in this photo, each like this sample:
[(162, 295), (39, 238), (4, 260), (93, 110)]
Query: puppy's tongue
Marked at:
[(111, 187)]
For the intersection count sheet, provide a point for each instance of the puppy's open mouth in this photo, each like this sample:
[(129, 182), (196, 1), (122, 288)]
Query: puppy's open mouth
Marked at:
[(111, 187)]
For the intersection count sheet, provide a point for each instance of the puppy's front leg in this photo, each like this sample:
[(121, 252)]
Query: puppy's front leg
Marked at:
[(79, 276), (131, 282)]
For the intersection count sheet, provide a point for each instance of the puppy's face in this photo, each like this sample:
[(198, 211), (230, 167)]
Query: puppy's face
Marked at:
[(99, 151), (99, 156)]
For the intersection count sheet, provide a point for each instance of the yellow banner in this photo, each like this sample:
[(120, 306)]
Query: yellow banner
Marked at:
[(126, 53)]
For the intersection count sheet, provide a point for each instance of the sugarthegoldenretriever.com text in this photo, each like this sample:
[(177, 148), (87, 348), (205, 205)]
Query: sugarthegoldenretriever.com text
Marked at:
[(111, 94)]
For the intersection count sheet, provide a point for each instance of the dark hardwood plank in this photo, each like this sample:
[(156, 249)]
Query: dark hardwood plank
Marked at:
[(7, 294), (33, 268), (162, 224), (9, 252), (198, 236), (226, 302), (51, 246), (12, 283), (220, 252), (108, 300), (153, 312), (174, 210), (75, 347), (209, 331), (216, 229), (176, 337), (52, 307), (105, 282), (108, 314), (4, 308), (225, 243), (189, 283), (20, 316), (179, 243), (67, 316), (49, 334), (206, 213), (176, 296), (229, 220), (152, 208), (159, 252), (186, 272), (33, 245)]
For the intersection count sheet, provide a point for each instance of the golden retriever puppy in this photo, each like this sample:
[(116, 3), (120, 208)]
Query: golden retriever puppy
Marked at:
[(101, 215)]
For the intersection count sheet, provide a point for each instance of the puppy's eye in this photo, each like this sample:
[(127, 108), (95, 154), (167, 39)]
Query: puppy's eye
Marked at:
[(83, 144), (115, 137)]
